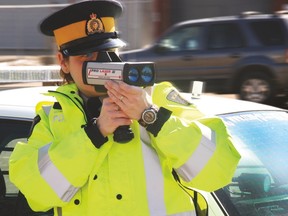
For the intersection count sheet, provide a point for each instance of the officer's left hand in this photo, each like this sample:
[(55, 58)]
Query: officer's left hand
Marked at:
[(132, 100)]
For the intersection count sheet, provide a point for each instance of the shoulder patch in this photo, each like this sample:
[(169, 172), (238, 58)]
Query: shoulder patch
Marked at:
[(176, 97)]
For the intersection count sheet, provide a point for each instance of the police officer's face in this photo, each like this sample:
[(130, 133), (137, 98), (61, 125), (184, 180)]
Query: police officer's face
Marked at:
[(73, 65)]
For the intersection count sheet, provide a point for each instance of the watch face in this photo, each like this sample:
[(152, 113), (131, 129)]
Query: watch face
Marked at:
[(149, 117)]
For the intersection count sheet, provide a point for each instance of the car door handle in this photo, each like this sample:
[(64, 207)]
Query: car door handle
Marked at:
[(187, 58), (235, 55)]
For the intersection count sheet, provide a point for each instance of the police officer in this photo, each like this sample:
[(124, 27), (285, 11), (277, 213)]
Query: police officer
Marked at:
[(73, 164)]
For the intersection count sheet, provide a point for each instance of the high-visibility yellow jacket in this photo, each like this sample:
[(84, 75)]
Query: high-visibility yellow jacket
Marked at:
[(60, 168)]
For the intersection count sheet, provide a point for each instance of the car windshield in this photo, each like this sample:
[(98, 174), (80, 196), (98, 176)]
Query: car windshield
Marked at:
[(260, 183)]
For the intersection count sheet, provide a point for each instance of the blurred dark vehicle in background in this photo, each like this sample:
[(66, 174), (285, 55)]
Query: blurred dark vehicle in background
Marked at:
[(245, 54)]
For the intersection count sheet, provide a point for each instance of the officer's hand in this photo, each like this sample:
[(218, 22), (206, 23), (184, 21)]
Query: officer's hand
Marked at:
[(132, 100), (111, 117)]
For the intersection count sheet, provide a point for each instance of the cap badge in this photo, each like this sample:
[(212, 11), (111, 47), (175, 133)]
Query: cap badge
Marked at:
[(94, 25)]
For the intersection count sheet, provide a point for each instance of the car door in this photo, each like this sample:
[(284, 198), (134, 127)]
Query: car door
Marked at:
[(175, 53), (12, 130), (205, 51), (225, 45)]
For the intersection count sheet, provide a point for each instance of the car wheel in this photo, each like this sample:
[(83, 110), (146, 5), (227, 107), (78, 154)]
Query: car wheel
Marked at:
[(256, 87)]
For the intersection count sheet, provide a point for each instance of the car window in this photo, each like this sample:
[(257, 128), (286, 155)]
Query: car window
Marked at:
[(12, 131), (268, 32), (224, 35), (260, 183), (186, 38)]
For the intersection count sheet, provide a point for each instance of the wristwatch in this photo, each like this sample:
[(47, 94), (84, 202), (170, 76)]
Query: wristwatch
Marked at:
[(149, 116)]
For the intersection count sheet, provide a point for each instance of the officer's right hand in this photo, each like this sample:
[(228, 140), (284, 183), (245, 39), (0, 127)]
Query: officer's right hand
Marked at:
[(111, 117)]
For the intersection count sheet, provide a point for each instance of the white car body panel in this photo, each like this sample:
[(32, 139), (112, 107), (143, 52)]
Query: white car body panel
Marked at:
[(21, 102)]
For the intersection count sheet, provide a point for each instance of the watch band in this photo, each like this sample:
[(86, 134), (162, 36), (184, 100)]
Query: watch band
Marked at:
[(149, 116), (162, 116)]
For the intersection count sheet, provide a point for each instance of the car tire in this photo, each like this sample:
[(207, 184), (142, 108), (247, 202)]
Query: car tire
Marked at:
[(256, 87)]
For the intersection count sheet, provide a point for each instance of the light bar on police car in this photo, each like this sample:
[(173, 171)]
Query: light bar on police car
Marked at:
[(10, 74)]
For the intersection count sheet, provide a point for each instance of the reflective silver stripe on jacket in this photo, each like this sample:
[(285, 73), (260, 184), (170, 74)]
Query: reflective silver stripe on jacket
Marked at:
[(54, 177), (201, 156), (155, 179), (154, 182), (47, 109)]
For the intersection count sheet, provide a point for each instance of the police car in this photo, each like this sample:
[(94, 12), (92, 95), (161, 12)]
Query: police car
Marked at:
[(260, 183)]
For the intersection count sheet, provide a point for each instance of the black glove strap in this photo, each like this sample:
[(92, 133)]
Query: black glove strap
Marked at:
[(94, 133), (162, 116)]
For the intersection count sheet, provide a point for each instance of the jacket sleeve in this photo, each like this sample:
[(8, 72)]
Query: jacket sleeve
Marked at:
[(49, 171), (199, 149)]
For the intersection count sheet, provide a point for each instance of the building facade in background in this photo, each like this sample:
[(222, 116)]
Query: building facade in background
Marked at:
[(141, 23)]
